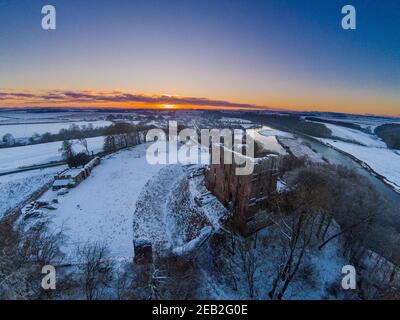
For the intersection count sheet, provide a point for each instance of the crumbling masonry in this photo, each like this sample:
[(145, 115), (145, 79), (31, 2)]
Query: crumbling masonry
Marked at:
[(245, 196)]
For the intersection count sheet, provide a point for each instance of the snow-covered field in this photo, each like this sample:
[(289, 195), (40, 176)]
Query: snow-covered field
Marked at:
[(369, 149), (124, 198), (27, 116), (301, 150), (14, 158), (269, 132), (245, 124), (235, 120), (16, 188), (28, 130), (268, 138), (369, 140), (364, 122), (383, 161), (101, 208)]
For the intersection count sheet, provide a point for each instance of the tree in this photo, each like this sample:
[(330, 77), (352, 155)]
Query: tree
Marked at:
[(34, 138), (298, 217), (238, 259), (24, 250), (320, 197), (338, 194), (84, 143), (66, 150), (8, 139), (96, 269), (78, 160), (109, 144), (249, 260), (297, 231)]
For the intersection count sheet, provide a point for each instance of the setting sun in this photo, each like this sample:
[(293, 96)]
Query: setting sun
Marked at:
[(169, 106)]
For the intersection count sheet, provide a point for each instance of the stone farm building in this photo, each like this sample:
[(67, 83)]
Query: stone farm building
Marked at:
[(72, 177), (245, 195)]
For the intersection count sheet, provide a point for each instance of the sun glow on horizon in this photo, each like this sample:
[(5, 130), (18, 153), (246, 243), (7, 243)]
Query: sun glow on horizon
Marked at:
[(169, 106)]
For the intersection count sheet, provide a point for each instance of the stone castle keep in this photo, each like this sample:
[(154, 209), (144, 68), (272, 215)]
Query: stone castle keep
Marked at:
[(246, 196)]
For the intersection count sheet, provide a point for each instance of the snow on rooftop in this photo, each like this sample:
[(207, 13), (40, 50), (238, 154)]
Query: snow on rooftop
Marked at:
[(61, 182)]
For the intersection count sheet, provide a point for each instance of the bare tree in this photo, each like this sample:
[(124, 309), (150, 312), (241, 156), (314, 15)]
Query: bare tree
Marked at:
[(96, 269), (173, 278), (66, 150), (297, 231), (24, 250), (248, 257), (298, 216), (238, 260), (84, 143)]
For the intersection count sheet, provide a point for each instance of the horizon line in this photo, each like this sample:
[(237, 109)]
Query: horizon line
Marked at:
[(216, 109)]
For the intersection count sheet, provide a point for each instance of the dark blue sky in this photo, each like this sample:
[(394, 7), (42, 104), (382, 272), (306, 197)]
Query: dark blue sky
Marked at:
[(280, 53)]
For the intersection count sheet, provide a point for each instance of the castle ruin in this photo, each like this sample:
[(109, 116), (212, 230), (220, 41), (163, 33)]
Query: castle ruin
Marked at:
[(246, 196)]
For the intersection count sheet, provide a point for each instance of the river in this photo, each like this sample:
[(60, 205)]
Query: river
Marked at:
[(338, 158)]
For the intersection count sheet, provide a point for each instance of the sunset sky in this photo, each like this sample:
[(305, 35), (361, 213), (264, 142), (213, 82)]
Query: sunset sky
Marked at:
[(202, 54)]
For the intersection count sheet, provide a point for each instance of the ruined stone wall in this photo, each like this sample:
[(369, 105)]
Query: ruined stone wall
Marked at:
[(246, 195)]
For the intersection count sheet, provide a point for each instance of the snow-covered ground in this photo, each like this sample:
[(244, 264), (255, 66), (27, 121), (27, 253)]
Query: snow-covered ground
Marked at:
[(125, 198), (150, 215), (221, 271), (383, 161), (365, 122), (301, 150), (16, 188), (27, 116), (166, 213), (28, 130), (235, 120), (14, 158), (101, 208), (369, 140), (369, 149), (269, 132), (268, 138), (245, 124)]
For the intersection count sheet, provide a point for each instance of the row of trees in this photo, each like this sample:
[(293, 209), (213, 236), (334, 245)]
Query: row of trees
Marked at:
[(117, 136), (121, 135), (292, 123), (390, 133), (74, 132)]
